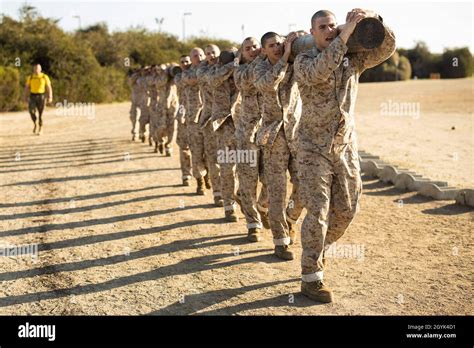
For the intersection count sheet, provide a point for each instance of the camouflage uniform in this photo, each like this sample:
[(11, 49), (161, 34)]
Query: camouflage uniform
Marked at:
[(224, 97), (167, 107), (155, 91), (193, 112), (246, 129), (328, 162), (281, 113), (135, 97), (210, 138), (182, 138), (144, 102)]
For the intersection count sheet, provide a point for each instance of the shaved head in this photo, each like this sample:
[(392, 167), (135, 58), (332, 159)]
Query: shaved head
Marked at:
[(268, 36), (197, 55), (212, 53), (321, 14), (323, 28), (250, 49)]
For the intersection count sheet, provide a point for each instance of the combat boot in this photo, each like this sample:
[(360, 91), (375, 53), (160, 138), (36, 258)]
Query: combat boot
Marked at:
[(150, 141), (200, 187), (207, 181), (160, 148), (186, 182), (168, 151), (283, 252), (218, 201), (134, 137), (317, 291), (254, 235), (231, 216), (156, 148)]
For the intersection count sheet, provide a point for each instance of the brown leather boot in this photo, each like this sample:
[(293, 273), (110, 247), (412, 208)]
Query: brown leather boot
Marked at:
[(207, 181), (231, 216), (254, 235), (283, 252), (317, 291), (200, 190), (218, 201)]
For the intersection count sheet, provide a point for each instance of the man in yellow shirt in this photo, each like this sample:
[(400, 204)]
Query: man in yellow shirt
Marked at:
[(36, 85)]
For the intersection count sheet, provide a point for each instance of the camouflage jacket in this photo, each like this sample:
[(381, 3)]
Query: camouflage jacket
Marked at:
[(162, 91), (206, 92), (142, 89), (281, 102), (181, 93), (172, 102), (328, 83), (135, 88), (193, 95), (224, 93), (251, 107)]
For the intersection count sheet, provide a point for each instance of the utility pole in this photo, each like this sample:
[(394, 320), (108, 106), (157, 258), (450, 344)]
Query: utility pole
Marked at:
[(184, 24), (79, 21), (159, 21)]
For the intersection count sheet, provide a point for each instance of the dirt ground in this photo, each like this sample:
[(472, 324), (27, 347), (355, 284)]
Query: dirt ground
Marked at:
[(117, 234), (423, 141)]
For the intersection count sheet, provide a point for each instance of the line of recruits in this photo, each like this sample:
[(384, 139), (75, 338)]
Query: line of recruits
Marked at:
[(295, 115)]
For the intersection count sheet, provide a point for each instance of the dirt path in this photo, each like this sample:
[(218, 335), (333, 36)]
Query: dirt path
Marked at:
[(117, 234)]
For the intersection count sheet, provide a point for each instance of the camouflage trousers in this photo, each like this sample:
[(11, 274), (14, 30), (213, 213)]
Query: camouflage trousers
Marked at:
[(225, 143), (144, 118), (330, 190), (210, 151), (154, 120), (165, 129), (250, 172), (196, 143), (277, 160), (184, 151), (134, 116)]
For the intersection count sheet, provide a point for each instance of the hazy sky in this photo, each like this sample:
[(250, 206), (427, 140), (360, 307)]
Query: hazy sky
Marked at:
[(439, 24)]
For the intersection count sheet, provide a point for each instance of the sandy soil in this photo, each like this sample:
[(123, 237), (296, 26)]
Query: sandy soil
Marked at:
[(424, 140), (117, 234)]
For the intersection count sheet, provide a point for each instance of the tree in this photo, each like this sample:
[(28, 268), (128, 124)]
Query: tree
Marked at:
[(421, 60), (456, 63)]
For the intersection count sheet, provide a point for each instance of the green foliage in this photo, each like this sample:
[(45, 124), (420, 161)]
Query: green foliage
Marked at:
[(456, 63), (395, 68), (419, 62), (89, 65), (9, 91)]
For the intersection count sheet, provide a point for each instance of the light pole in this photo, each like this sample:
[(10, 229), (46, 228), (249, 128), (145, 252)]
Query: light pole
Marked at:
[(159, 21), (184, 24), (79, 20)]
